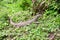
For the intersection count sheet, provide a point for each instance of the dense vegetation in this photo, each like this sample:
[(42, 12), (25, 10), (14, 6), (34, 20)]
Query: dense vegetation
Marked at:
[(22, 10)]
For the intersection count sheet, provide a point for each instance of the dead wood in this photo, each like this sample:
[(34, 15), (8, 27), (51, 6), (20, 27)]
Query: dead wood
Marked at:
[(51, 36), (25, 22)]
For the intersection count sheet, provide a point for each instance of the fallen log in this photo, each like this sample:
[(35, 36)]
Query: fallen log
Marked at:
[(25, 22)]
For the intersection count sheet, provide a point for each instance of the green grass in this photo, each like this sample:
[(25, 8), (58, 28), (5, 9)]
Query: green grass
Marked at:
[(49, 22)]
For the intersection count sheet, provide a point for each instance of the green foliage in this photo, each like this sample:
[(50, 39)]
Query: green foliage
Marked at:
[(20, 10)]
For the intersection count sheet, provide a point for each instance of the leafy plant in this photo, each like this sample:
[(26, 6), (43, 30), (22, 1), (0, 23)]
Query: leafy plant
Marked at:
[(21, 10)]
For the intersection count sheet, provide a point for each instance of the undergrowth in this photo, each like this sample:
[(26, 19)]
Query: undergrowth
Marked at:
[(20, 10)]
